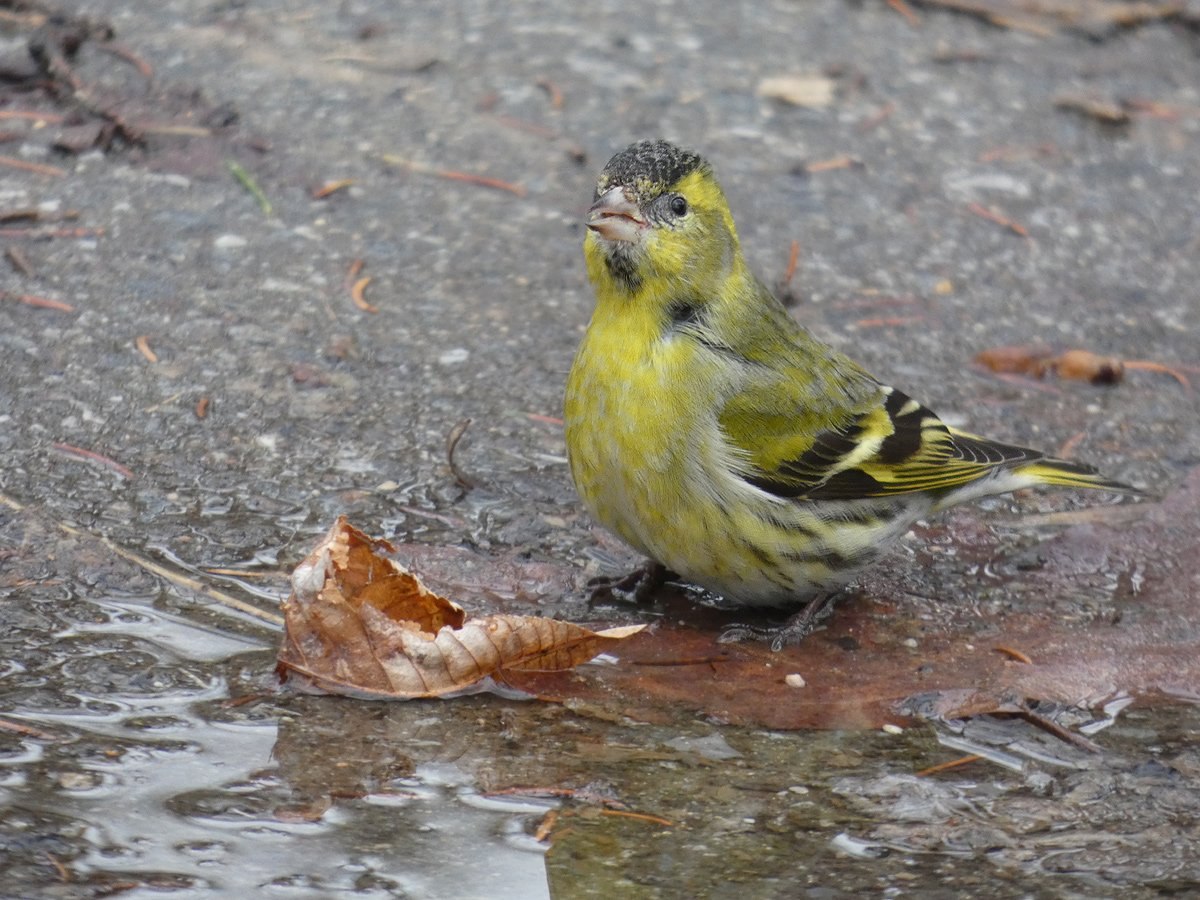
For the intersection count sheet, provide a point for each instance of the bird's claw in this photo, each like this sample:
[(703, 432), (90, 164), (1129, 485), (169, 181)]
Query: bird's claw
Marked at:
[(793, 631), (635, 587)]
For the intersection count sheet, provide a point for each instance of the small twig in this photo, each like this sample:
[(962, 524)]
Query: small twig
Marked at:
[(163, 404), (202, 405), (641, 817), (46, 233), (993, 15), (1147, 366), (244, 700), (452, 439), (905, 10), (32, 115), (64, 874), (581, 794), (793, 261), (175, 130), (176, 578), (448, 521), (830, 165), (331, 187), (453, 175), (142, 342), (19, 260), (950, 764), (27, 730), (358, 286), (1057, 730), (38, 168), (1152, 109), (129, 56), (246, 180), (549, 420), (93, 456), (984, 213), (358, 295), (1013, 653), (39, 302), (553, 91)]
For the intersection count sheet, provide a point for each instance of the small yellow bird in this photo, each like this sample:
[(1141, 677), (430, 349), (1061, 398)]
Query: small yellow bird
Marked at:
[(717, 436)]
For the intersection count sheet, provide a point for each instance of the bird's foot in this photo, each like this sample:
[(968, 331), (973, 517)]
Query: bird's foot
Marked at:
[(636, 587), (793, 631)]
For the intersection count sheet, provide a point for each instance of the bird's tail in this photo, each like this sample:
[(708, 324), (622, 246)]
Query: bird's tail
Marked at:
[(1064, 473)]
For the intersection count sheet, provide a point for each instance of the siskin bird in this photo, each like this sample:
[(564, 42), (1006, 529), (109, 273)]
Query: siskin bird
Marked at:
[(713, 433)]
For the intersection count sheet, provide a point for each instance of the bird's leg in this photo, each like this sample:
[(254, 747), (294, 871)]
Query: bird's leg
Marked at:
[(636, 587), (793, 631)]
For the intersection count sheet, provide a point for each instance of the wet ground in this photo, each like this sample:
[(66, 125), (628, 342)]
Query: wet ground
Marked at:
[(263, 402)]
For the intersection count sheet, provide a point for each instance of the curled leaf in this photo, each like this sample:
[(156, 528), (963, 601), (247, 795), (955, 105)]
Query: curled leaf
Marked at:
[(360, 623), (1084, 365), (1075, 365)]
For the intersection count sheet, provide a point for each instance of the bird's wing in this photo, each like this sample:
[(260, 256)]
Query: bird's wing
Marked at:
[(885, 445)]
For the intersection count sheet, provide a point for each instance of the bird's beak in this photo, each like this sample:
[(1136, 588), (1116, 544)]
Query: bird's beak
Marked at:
[(615, 217)]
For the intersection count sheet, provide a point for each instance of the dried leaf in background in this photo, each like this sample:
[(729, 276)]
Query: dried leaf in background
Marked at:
[(1077, 365), (810, 91)]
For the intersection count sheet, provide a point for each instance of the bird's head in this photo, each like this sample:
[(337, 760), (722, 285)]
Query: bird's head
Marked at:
[(660, 222)]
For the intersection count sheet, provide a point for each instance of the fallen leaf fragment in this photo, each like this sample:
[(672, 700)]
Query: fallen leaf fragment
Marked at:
[(1084, 365), (1077, 365), (359, 623), (331, 187), (1102, 110), (811, 91)]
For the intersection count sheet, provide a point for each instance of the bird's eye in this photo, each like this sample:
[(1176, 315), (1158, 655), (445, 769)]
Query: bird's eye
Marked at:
[(679, 206)]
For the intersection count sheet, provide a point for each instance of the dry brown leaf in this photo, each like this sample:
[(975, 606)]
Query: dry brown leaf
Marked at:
[(1075, 365), (1014, 360), (1101, 109), (810, 91), (359, 623), (1084, 365)]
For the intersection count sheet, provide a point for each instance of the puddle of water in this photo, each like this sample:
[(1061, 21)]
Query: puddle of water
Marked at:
[(165, 789)]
